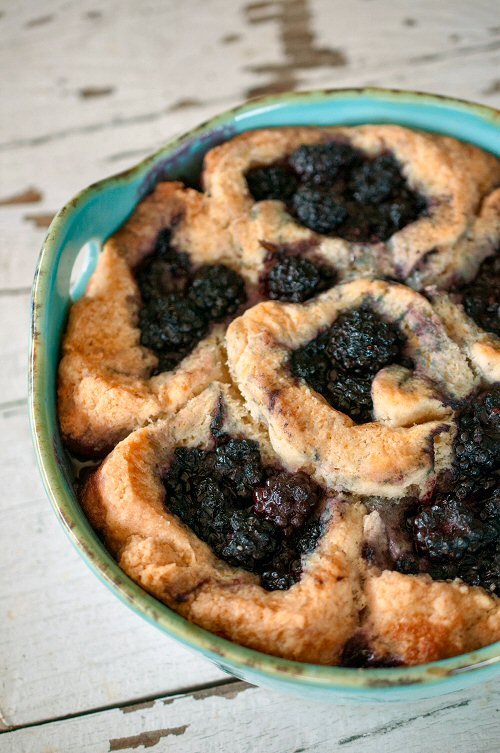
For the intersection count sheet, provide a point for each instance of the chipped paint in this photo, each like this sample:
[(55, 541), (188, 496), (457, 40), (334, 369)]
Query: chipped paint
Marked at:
[(228, 691), (145, 739), (90, 92), (185, 104), (137, 707), (493, 88), (230, 38), (28, 196), (41, 220), (298, 42), (40, 21)]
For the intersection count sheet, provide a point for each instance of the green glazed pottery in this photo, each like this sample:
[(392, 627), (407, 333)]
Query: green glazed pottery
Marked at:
[(93, 215)]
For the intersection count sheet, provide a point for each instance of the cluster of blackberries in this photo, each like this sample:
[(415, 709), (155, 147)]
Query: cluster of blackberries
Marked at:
[(341, 362), (295, 279), (458, 533), (477, 444), (335, 189), (180, 304), (252, 517), (481, 297)]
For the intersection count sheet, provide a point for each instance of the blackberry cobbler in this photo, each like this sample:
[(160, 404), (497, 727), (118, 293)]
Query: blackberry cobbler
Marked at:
[(294, 377)]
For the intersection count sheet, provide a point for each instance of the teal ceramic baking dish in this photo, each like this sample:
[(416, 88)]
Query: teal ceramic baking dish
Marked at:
[(96, 213)]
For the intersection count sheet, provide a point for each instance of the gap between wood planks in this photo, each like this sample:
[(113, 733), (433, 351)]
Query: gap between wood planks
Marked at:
[(13, 405), (230, 687), (6, 292)]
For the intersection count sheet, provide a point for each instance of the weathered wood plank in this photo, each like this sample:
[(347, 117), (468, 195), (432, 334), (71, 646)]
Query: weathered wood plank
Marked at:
[(100, 87), (238, 717), (103, 108), (14, 331), (66, 644)]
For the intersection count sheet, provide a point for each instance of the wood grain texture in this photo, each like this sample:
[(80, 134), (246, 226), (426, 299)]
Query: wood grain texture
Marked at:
[(90, 89), (66, 644), (238, 717), (166, 66)]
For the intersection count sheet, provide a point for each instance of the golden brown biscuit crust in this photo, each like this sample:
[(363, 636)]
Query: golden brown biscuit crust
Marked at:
[(402, 619), (482, 348), (106, 392), (461, 227), (417, 620), (124, 500), (411, 441), (105, 385)]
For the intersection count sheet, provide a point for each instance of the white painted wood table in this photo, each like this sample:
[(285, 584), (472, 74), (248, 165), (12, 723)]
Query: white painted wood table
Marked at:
[(88, 89)]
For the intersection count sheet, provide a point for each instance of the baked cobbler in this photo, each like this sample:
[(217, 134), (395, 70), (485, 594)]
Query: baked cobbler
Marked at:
[(293, 377)]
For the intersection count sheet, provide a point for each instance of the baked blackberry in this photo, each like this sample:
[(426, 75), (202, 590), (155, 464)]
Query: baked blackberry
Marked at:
[(188, 466), (308, 537), (449, 529), (311, 363), (210, 517), (350, 394), (335, 189), (217, 290), (377, 180), (179, 304), (213, 491), (294, 279), (483, 570), (318, 210), (363, 342), (192, 462), (251, 540), (238, 461), (165, 271), (286, 566), (403, 209), (284, 570), (489, 411), (477, 444), (271, 182), (321, 163), (287, 500), (407, 564), (341, 362), (481, 297), (458, 534), (357, 653), (276, 580), (480, 566), (171, 324)]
